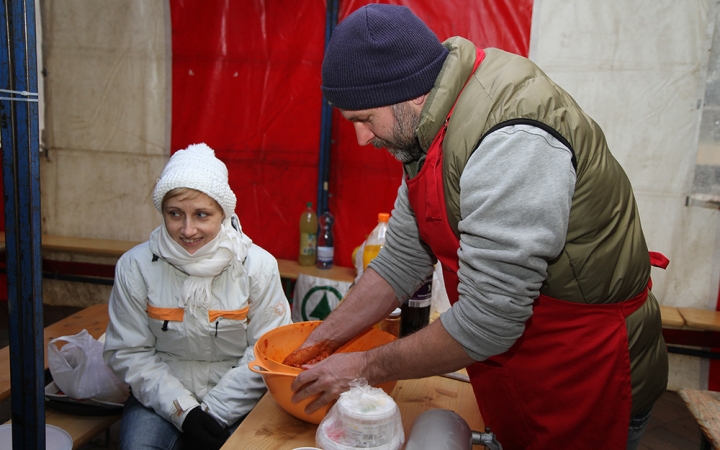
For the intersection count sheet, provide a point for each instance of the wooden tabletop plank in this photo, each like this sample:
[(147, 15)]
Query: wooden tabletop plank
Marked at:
[(87, 246), (105, 247), (82, 429), (671, 317), (702, 319), (116, 248), (94, 319), (269, 427), (705, 407), (291, 269)]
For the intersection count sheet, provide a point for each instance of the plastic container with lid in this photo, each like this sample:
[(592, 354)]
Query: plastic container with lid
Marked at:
[(363, 417), (376, 240)]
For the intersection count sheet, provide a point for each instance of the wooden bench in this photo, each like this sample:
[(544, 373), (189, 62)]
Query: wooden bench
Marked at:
[(671, 317), (82, 429), (701, 319), (705, 408), (691, 327), (94, 319), (289, 269)]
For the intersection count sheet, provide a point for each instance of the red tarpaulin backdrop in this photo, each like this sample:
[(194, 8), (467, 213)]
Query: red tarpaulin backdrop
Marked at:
[(246, 80)]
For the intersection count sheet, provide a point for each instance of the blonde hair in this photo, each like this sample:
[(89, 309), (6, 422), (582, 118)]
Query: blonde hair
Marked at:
[(186, 194)]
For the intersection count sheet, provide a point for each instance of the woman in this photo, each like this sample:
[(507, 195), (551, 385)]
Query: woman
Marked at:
[(186, 310)]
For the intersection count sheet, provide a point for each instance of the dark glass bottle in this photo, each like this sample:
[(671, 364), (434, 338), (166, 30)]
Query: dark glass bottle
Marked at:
[(325, 241), (416, 311)]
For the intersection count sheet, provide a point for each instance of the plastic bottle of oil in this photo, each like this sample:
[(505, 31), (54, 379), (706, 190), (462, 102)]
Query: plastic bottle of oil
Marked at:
[(376, 240), (308, 237)]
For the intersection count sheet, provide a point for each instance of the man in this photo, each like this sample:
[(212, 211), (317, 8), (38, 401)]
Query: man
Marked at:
[(512, 187)]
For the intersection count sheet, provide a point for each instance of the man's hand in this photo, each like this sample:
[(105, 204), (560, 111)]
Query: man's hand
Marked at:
[(329, 378), (310, 354), (201, 430)]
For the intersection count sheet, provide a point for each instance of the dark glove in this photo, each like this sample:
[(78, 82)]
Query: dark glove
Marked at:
[(202, 431)]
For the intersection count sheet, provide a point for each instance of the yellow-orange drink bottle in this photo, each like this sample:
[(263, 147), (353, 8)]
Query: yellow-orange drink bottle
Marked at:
[(376, 240), (374, 243), (308, 237)]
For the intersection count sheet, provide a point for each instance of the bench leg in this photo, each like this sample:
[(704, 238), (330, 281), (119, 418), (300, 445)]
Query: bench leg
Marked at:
[(704, 443)]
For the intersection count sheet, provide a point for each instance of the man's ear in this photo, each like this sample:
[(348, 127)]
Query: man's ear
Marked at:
[(419, 100)]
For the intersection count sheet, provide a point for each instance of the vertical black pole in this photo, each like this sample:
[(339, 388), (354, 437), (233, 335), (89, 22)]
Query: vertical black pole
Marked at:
[(326, 122), (21, 183)]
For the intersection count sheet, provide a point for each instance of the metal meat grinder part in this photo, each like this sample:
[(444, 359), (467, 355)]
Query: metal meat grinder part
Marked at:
[(442, 429)]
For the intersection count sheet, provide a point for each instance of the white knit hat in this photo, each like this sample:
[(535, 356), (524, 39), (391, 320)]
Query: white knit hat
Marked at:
[(197, 168)]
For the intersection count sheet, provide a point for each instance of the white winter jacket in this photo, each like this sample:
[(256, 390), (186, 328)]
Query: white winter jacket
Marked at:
[(172, 360)]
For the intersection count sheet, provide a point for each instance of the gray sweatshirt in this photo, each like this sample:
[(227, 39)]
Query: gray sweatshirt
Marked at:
[(515, 197)]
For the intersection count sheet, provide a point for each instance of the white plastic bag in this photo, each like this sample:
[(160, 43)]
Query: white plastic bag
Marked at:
[(363, 417), (80, 372), (315, 298)]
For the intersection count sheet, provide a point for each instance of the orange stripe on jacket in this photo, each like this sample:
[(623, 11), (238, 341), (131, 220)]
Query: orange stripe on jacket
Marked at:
[(177, 314), (172, 314), (239, 314)]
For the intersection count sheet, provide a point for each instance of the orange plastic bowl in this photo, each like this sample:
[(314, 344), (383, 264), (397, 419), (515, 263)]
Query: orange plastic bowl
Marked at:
[(272, 348)]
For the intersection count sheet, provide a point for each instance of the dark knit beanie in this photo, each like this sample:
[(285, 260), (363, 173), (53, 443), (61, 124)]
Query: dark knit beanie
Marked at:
[(380, 55)]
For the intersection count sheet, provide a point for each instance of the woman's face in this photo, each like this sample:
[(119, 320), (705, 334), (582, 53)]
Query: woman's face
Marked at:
[(192, 219)]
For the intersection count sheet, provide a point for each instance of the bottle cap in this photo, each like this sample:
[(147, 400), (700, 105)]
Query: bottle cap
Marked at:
[(383, 217), (396, 313)]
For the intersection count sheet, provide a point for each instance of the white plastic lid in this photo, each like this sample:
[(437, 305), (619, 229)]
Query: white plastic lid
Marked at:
[(324, 441), (396, 313)]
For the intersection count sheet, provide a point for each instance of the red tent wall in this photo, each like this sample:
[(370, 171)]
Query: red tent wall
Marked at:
[(246, 80)]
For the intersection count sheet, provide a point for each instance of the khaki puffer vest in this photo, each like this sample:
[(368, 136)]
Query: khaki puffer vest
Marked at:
[(605, 258)]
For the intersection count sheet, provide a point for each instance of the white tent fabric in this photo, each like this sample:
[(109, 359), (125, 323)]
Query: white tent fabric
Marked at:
[(106, 133), (107, 116), (639, 68)]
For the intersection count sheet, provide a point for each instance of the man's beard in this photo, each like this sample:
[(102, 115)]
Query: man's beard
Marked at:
[(404, 145)]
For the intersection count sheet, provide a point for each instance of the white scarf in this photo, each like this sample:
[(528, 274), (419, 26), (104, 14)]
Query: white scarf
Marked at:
[(229, 248)]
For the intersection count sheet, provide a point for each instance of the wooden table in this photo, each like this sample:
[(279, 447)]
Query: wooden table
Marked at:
[(94, 319), (269, 427)]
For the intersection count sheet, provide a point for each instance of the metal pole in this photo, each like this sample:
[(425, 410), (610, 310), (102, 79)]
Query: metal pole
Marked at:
[(21, 182), (326, 122)]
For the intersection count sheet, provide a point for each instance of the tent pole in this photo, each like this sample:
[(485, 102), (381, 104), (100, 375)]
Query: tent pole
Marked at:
[(326, 122), (21, 182)]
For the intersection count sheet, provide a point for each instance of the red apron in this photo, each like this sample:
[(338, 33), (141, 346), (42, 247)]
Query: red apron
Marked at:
[(565, 383)]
